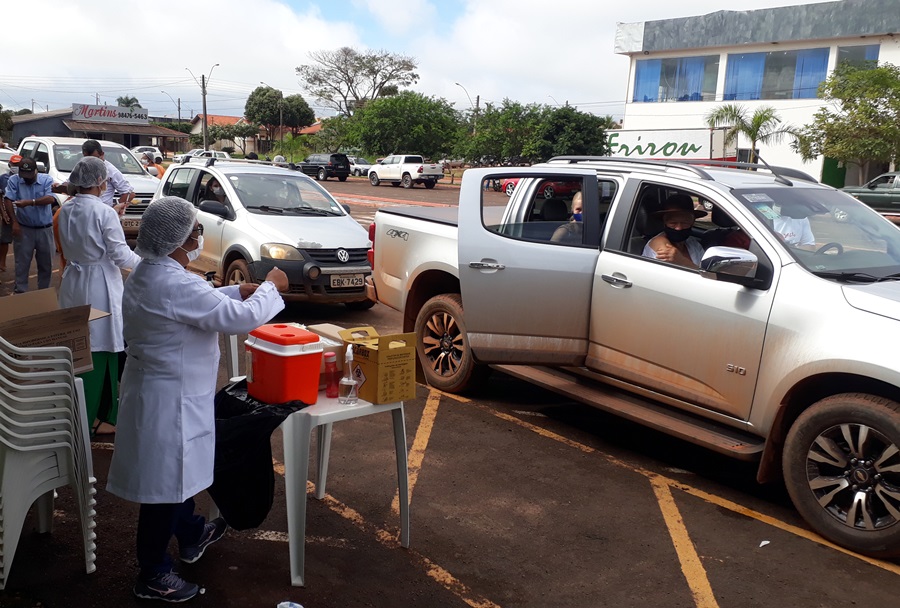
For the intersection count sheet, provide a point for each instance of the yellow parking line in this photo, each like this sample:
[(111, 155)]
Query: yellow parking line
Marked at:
[(417, 451), (691, 566)]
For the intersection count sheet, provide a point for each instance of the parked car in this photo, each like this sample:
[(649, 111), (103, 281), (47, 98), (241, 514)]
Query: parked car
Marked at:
[(323, 166), (57, 155), (548, 189), (157, 154), (5, 155), (274, 216), (881, 194), (359, 166), (405, 170), (180, 157)]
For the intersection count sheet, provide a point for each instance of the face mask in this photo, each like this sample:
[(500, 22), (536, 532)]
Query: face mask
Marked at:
[(576, 217), (217, 190), (677, 236), (194, 253), (145, 162)]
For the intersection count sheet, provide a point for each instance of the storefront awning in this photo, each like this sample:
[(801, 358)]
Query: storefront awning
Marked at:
[(85, 126)]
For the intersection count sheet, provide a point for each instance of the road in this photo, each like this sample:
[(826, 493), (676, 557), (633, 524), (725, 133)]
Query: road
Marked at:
[(519, 498)]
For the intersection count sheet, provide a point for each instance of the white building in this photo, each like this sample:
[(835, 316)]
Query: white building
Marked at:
[(683, 68)]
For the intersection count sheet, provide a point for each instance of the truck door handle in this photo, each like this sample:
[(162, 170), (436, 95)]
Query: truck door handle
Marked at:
[(616, 280), (486, 266)]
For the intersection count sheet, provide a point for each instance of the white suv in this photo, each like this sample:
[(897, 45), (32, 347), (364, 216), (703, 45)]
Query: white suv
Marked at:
[(273, 216)]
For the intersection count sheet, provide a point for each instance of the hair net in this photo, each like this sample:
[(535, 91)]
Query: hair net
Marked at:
[(165, 226), (88, 172)]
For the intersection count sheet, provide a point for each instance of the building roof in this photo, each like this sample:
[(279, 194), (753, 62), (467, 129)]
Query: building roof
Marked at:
[(216, 119), (313, 128), (839, 19), (86, 126), (20, 118)]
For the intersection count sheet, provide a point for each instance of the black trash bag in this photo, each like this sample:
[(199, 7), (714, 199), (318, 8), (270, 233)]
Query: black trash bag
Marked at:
[(244, 481)]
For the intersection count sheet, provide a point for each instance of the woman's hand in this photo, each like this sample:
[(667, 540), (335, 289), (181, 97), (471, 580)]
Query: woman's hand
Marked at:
[(247, 290), (277, 276)]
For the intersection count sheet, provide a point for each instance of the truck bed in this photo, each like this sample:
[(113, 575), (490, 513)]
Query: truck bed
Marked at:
[(442, 215)]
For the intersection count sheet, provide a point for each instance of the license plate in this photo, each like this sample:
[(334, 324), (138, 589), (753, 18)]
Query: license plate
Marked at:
[(131, 223), (347, 280)]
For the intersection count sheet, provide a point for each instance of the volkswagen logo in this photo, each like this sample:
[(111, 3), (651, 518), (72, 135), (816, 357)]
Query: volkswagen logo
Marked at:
[(342, 256)]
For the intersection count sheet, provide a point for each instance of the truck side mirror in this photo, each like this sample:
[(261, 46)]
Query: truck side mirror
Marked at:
[(729, 264), (216, 208)]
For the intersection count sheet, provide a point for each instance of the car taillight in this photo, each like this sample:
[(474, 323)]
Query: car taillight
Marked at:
[(370, 254), (421, 169)]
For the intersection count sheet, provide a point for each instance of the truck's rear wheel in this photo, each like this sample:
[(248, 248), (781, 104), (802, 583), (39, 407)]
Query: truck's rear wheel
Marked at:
[(842, 469), (406, 182), (373, 179), (443, 345)]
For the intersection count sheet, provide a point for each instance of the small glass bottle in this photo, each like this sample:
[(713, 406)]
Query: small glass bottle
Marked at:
[(332, 375), (347, 388)]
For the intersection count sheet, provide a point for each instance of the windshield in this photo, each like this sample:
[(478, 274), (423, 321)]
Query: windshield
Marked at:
[(67, 155), (829, 232), (268, 193)]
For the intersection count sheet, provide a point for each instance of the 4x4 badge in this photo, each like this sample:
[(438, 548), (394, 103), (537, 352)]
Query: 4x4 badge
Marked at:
[(342, 256)]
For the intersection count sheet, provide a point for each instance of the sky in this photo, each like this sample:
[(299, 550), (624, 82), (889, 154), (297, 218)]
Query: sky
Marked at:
[(529, 51)]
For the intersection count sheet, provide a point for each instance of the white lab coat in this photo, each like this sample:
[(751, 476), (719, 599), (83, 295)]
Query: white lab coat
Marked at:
[(165, 435), (94, 246)]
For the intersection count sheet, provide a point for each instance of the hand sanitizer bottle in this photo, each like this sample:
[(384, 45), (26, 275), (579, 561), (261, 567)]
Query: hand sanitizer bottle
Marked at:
[(347, 388)]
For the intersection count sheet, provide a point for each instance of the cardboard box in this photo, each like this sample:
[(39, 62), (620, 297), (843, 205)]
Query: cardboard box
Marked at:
[(384, 366), (34, 318)]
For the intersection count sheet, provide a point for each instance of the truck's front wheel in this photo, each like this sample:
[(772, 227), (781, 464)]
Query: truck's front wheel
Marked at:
[(443, 345), (842, 469)]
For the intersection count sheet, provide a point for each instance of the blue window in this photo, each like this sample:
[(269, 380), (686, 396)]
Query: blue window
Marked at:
[(676, 79), (859, 55), (775, 75)]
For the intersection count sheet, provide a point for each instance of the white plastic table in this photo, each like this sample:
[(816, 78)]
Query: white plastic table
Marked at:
[(297, 429)]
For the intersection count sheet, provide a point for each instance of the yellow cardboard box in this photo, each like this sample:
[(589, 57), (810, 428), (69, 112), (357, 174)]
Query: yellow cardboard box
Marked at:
[(34, 318), (384, 366)]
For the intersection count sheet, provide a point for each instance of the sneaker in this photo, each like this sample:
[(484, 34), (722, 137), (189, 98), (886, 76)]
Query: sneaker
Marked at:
[(168, 587), (213, 531)]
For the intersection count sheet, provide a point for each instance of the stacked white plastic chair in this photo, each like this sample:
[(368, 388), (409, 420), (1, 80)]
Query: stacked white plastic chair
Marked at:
[(44, 445)]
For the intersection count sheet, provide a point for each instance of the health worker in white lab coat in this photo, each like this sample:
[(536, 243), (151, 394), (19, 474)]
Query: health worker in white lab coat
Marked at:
[(93, 243), (165, 439)]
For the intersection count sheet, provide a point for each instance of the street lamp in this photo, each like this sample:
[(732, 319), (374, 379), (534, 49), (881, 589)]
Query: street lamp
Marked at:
[(474, 105), (203, 82), (280, 115), (178, 104), (554, 99)]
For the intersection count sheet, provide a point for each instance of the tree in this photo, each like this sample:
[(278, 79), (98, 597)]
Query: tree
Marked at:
[(297, 113), (862, 124), (263, 107), (407, 122), (334, 135), (565, 130), (241, 132), (347, 79), (181, 127), (126, 101), (763, 126)]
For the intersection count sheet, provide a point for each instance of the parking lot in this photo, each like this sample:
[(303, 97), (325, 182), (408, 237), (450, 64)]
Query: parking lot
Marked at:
[(519, 498)]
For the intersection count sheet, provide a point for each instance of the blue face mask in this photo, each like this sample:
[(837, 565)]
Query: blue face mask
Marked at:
[(576, 217)]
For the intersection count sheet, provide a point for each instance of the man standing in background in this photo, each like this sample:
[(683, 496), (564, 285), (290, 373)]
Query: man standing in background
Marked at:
[(32, 196), (116, 184)]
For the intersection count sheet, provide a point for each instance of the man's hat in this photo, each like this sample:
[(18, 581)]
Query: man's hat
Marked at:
[(14, 160), (680, 202), (27, 165)]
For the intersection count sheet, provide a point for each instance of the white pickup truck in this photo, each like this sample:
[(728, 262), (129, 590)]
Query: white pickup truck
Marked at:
[(774, 350), (405, 170)]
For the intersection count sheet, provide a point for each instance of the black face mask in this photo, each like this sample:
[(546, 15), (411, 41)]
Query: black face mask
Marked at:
[(677, 236)]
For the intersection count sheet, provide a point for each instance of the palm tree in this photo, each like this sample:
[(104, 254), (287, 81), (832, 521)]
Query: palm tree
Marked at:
[(763, 126)]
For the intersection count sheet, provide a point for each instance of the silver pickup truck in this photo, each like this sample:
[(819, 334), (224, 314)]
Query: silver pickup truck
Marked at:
[(775, 349)]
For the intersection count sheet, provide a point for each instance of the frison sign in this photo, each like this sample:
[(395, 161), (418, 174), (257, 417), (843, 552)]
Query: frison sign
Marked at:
[(117, 114)]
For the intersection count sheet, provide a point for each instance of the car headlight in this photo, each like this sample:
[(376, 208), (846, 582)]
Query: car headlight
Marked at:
[(277, 251)]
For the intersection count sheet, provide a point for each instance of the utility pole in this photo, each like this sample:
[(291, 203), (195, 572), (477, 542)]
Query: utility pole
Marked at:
[(475, 120), (203, 92)]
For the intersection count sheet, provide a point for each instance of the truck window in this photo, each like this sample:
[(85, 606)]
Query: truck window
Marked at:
[(541, 209)]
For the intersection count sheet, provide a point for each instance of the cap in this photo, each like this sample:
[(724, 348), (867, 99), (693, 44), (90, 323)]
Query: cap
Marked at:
[(14, 160), (680, 202), (151, 156), (27, 165)]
